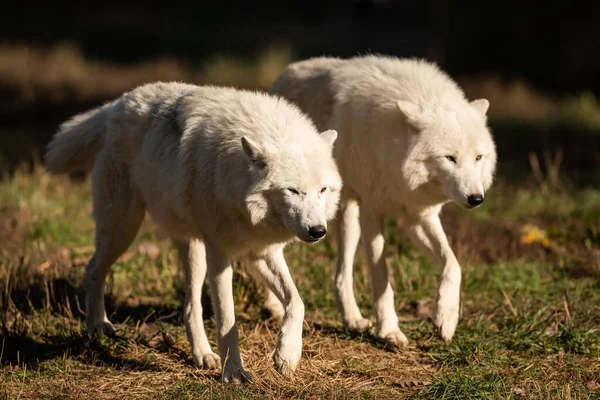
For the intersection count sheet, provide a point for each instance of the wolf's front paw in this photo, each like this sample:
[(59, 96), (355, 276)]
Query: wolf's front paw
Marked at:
[(235, 373), (206, 361), (394, 340), (101, 328), (446, 320), (358, 325), (447, 313), (286, 366)]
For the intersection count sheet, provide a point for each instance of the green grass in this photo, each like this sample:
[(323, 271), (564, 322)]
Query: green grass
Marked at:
[(466, 385), (529, 326)]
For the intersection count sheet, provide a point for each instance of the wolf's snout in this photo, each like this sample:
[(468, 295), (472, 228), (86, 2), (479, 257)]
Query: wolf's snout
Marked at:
[(475, 200), (317, 232)]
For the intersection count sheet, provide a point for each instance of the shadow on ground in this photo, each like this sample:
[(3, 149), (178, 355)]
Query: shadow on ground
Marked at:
[(28, 340)]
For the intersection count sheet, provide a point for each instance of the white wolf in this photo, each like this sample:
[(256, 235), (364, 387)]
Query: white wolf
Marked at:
[(227, 174), (409, 142)]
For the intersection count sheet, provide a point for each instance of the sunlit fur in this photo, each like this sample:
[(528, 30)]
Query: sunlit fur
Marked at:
[(227, 174), (409, 142)]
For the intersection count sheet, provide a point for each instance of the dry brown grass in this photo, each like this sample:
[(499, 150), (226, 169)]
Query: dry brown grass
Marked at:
[(327, 368)]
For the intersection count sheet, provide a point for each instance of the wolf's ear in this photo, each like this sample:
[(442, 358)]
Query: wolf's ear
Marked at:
[(330, 136), (410, 110), (481, 105), (254, 153)]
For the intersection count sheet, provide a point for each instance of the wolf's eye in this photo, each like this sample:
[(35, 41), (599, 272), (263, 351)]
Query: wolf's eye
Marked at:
[(451, 158), (324, 189), (478, 157), (295, 191)]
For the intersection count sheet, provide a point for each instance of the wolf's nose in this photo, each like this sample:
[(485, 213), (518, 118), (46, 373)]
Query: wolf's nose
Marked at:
[(317, 232), (475, 199)]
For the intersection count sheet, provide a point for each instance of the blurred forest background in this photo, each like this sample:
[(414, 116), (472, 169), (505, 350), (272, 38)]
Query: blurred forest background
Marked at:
[(535, 63)]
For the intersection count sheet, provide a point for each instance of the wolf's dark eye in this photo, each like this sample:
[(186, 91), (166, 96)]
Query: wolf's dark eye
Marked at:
[(478, 158), (295, 191), (323, 190), (451, 158)]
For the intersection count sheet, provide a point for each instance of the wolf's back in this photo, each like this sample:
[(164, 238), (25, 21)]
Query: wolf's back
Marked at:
[(309, 85)]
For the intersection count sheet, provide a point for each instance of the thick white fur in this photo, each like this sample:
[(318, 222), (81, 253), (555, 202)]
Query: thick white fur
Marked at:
[(399, 123), (227, 174)]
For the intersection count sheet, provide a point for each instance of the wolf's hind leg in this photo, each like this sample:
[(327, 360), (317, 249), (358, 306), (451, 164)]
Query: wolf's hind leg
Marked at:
[(348, 238), (381, 289), (118, 212)]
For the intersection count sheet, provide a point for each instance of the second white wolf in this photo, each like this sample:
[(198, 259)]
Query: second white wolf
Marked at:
[(227, 174), (409, 142)]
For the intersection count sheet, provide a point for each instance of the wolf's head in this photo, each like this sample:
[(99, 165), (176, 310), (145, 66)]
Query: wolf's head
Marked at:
[(298, 183), (451, 148)]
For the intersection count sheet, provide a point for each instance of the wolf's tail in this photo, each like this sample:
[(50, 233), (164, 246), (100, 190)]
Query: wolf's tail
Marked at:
[(78, 141)]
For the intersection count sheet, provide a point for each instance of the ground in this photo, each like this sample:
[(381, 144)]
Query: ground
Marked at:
[(530, 295)]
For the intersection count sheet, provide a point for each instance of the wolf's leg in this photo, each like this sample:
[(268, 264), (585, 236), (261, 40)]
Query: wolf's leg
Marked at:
[(430, 237), (272, 303), (382, 293), (276, 274), (220, 278), (348, 237), (193, 257), (118, 211)]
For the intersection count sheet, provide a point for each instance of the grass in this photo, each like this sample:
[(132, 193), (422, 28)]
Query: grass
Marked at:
[(530, 312), (530, 258)]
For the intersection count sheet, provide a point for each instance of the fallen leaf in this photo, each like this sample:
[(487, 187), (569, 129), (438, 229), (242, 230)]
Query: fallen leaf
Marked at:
[(533, 234)]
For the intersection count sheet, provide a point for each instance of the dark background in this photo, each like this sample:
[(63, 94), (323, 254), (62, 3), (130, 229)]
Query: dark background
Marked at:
[(554, 45)]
